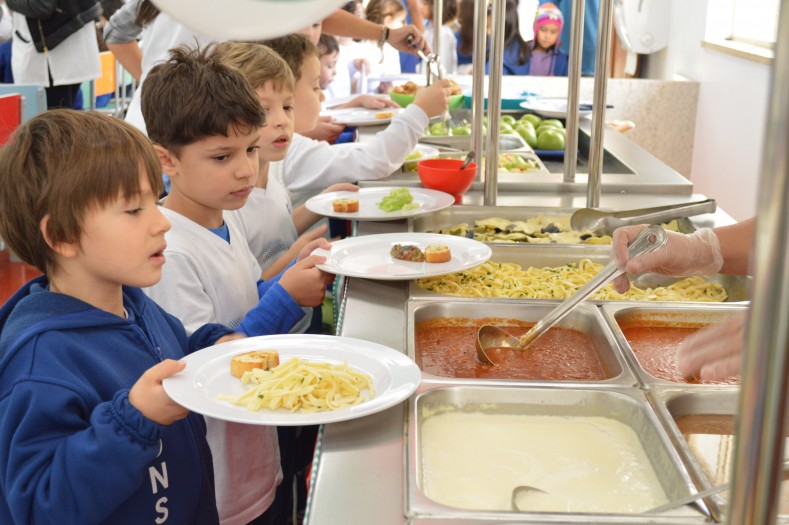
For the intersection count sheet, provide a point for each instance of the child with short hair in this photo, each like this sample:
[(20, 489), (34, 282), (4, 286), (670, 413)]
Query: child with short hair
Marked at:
[(310, 165), (204, 119), (87, 433), (383, 61), (334, 70), (275, 231), (447, 50)]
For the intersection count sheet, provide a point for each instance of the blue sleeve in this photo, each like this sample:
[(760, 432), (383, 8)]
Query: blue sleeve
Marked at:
[(57, 456), (561, 65), (264, 286), (275, 313), (206, 335), (201, 338)]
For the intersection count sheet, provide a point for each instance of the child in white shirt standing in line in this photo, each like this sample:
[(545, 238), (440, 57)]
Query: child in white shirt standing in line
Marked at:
[(310, 166), (205, 120)]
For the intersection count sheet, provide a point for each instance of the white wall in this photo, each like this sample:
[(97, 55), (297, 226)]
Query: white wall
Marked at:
[(731, 113)]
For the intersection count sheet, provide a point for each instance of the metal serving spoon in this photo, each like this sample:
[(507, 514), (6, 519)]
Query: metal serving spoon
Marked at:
[(694, 497), (467, 161), (489, 336), (602, 222)]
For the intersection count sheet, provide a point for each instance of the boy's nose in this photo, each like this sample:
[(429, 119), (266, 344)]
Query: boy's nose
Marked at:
[(162, 224), (247, 166), (277, 119)]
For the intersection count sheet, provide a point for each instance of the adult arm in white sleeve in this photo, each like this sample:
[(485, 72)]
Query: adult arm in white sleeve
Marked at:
[(312, 166)]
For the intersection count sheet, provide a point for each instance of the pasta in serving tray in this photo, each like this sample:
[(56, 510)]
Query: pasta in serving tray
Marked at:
[(305, 386), (493, 279)]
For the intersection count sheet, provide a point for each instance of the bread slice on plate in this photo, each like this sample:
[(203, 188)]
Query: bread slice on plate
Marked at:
[(437, 253), (345, 205), (264, 359)]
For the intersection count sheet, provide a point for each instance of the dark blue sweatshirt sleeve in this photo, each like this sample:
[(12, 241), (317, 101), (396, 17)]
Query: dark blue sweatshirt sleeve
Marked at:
[(206, 336), (275, 313), (60, 467), (264, 286)]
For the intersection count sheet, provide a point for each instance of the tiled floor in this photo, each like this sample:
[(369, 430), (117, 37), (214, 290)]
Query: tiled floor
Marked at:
[(13, 275)]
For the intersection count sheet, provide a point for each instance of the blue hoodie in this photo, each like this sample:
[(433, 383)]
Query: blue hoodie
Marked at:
[(72, 447)]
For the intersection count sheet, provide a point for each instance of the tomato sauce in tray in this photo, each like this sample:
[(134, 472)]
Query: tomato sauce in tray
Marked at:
[(655, 346), (445, 347)]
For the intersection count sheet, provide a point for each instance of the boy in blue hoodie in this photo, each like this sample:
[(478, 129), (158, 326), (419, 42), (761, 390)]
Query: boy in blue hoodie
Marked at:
[(87, 433)]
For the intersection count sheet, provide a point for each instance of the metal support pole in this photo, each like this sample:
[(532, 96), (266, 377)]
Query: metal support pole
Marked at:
[(496, 65), (478, 78), (604, 22), (756, 478), (438, 16), (573, 89)]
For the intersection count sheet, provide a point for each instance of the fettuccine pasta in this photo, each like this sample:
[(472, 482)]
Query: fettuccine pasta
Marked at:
[(305, 386), (493, 279)]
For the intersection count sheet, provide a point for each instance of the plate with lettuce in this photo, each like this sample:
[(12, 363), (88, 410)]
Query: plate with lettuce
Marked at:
[(384, 203)]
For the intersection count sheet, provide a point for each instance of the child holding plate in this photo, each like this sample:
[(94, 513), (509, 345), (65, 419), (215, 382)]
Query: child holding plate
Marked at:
[(87, 433)]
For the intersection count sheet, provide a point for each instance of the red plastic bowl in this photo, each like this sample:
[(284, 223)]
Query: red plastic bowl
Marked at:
[(445, 175)]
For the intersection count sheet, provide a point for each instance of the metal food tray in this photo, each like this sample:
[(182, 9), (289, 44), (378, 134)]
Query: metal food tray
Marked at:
[(696, 313), (468, 214), (627, 405), (554, 255), (586, 319), (674, 402), (507, 142)]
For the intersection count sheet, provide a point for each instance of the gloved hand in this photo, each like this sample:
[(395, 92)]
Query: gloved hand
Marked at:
[(715, 352), (697, 253)]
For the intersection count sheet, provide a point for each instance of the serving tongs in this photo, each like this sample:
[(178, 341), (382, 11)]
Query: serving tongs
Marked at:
[(604, 223), (489, 337), (434, 70)]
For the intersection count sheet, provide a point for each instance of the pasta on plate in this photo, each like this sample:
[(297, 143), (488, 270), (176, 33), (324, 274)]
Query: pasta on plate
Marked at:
[(305, 386), (493, 279)]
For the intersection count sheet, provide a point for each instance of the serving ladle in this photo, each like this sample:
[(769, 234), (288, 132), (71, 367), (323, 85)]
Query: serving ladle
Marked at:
[(604, 223), (490, 337)]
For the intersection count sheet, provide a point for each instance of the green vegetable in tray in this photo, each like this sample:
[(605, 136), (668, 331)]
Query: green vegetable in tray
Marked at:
[(414, 156), (399, 199)]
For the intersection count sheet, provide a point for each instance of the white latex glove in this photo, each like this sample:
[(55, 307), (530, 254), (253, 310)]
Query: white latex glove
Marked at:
[(697, 253), (715, 352)]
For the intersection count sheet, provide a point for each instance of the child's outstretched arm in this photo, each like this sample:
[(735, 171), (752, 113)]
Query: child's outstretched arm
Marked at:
[(312, 165), (368, 102), (281, 298), (306, 283)]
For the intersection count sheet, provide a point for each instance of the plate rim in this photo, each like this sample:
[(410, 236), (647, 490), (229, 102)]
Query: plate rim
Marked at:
[(362, 123), (393, 361), (443, 200), (407, 237), (528, 104)]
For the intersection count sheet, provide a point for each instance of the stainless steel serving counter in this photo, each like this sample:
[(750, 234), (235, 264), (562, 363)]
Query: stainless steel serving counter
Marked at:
[(627, 168), (358, 474)]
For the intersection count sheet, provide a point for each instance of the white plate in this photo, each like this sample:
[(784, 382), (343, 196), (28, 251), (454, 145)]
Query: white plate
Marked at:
[(207, 374), (428, 200), (551, 107), (368, 256), (428, 152), (361, 116)]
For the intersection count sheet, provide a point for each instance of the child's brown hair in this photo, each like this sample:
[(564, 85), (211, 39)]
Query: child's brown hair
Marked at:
[(327, 45), (59, 165), (193, 95), (378, 10), (294, 49), (258, 63)]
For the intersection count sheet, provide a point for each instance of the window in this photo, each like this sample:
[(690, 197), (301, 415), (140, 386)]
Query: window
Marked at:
[(755, 22)]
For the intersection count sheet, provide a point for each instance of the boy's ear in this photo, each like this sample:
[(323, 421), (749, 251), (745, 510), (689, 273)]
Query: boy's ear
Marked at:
[(64, 249), (166, 159)]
